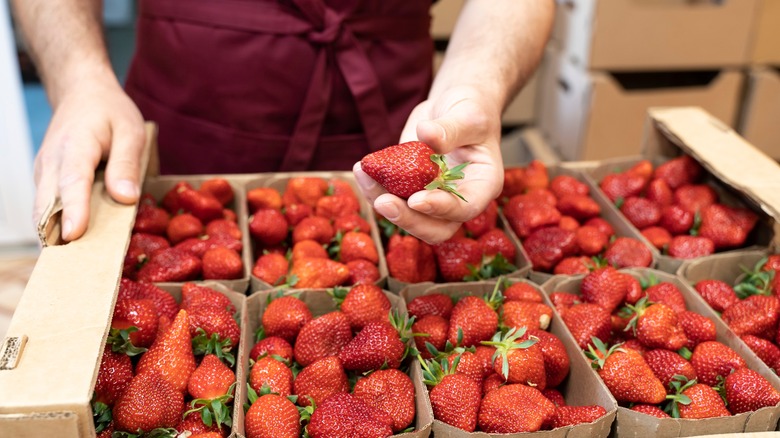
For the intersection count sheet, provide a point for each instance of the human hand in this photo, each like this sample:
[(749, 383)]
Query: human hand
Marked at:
[(465, 127), (95, 120)]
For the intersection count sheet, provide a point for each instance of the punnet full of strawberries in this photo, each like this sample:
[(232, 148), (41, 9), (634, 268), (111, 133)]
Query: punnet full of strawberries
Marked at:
[(489, 363), (560, 224), (312, 235), (656, 356), (191, 234), (167, 367), (338, 372), (676, 210), (750, 306)]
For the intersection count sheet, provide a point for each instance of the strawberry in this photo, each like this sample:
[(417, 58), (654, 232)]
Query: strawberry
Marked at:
[(590, 240), (362, 272), (474, 319), (171, 200), (219, 188), (602, 225), (568, 223), (195, 295), (573, 415), (346, 416), (378, 344), (477, 364), (268, 371), (335, 206), (200, 245), (518, 361), (690, 247), (651, 410), (643, 168), (339, 187), (272, 346), (695, 197), (634, 287), (455, 398), (150, 218), (323, 336), (526, 314), (193, 422), (410, 260), (115, 373), (522, 291), (228, 215), (586, 321), (211, 380), (430, 304), (170, 265), (140, 249), (626, 252), (659, 237), (563, 300), (526, 216), (727, 227), (604, 286), (546, 247), (574, 266), (295, 213), (319, 380), (668, 364), (306, 190), (284, 317), (271, 268), (268, 226), (712, 359), (641, 212), (495, 242), (182, 227), (222, 264), (483, 222), (149, 402), (202, 205), (667, 293), (434, 328), (351, 222), (622, 185), (362, 304), (141, 314), (676, 219), (755, 315), (356, 245), (748, 391), (314, 273), (656, 326), (171, 354), (529, 408), (224, 226), (554, 396), (556, 360), (214, 320), (581, 207), (456, 256), (697, 328), (514, 183), (272, 416), (563, 185), (626, 374), (772, 263), (492, 382), (166, 305), (308, 248), (764, 349), (313, 228), (703, 402), (634, 345), (390, 391), (659, 192), (410, 167), (679, 171), (536, 176)]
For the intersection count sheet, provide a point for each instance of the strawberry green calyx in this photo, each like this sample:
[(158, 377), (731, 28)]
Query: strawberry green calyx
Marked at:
[(154, 433), (120, 342), (434, 371), (636, 310), (446, 176), (403, 324), (599, 355), (496, 297), (504, 343), (679, 385), (756, 281), (490, 268), (338, 294), (101, 416), (214, 410), (222, 348)]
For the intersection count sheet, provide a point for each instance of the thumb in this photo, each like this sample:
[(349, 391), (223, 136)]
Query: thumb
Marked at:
[(462, 125)]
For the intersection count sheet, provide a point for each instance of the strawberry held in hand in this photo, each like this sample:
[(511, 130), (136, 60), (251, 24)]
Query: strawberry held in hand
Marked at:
[(410, 167)]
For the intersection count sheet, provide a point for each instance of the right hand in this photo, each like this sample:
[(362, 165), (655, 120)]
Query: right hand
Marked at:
[(94, 121)]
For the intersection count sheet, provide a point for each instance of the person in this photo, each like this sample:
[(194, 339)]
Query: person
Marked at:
[(240, 86)]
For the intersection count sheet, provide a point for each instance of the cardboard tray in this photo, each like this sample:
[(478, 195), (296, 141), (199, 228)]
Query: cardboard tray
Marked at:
[(581, 387), (320, 303), (630, 423), (279, 182)]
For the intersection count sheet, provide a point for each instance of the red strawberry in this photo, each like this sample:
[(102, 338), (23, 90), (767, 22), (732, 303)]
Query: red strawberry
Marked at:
[(228, 215), (455, 398), (679, 171), (697, 328), (495, 242), (676, 219), (150, 218), (604, 286), (410, 167), (668, 364), (657, 326), (435, 328), (690, 247), (641, 212), (295, 213), (527, 216), (634, 345), (586, 321), (712, 359), (335, 206), (218, 188), (659, 192), (659, 237), (492, 382), (271, 268), (580, 207), (362, 304), (272, 346), (430, 304), (574, 266), (518, 361), (568, 223), (224, 226), (308, 248), (764, 349), (211, 380), (171, 201), (182, 227), (149, 402), (591, 240), (313, 228), (627, 375), (643, 168), (573, 415), (284, 317), (166, 305), (626, 252), (193, 422), (115, 373), (651, 410), (140, 249), (522, 291), (634, 287), (356, 245), (695, 197), (475, 318), (410, 260), (727, 227), (602, 225), (319, 380), (171, 354), (323, 336), (529, 410), (307, 190), (378, 344), (170, 265), (346, 416), (199, 246), (390, 391), (214, 320), (351, 222), (141, 314), (526, 314), (546, 247), (755, 315), (748, 391), (622, 185), (554, 396), (704, 403), (556, 360), (514, 182), (268, 371), (667, 293), (536, 176), (268, 226), (202, 205), (314, 273), (362, 272), (222, 264), (272, 416), (456, 255), (563, 185), (484, 221), (477, 365)]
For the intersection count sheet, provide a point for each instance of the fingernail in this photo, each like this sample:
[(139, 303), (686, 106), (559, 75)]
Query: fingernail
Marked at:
[(67, 227), (127, 188), (423, 207), (389, 210)]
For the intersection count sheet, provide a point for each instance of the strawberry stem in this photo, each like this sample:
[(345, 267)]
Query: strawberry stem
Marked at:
[(446, 176)]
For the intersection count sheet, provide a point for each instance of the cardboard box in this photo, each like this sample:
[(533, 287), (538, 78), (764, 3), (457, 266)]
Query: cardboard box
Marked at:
[(581, 387), (766, 33), (760, 107), (520, 146), (655, 34), (279, 182), (592, 115), (320, 303), (630, 423), (444, 15)]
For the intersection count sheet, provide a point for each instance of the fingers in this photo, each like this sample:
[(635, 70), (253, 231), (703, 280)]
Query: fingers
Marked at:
[(370, 188), (123, 167), (420, 112), (74, 182), (463, 125), (46, 171), (430, 229)]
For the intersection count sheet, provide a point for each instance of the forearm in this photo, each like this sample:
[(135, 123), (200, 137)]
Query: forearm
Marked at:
[(495, 47), (66, 41)]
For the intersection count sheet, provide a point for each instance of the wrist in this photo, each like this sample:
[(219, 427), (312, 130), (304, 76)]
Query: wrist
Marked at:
[(77, 77)]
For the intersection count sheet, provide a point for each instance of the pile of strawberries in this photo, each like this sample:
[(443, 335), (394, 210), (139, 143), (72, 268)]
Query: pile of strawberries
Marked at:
[(191, 235), (751, 307), (344, 370), (675, 211), (664, 360), (479, 250), (560, 226), (489, 363), (312, 235), (167, 367)]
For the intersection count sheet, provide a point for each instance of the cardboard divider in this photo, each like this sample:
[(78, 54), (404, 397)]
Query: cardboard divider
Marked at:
[(320, 303), (581, 387), (159, 186), (631, 423), (279, 182)]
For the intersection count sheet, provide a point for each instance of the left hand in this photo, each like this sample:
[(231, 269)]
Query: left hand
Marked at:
[(465, 127)]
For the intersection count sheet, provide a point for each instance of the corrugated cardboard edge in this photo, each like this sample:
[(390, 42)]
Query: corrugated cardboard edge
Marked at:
[(64, 312), (630, 423), (319, 302), (279, 182), (581, 387)]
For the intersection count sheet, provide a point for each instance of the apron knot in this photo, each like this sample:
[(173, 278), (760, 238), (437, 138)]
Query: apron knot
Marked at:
[(330, 31)]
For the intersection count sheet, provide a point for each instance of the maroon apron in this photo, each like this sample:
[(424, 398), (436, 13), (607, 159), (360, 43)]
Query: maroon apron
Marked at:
[(242, 86)]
